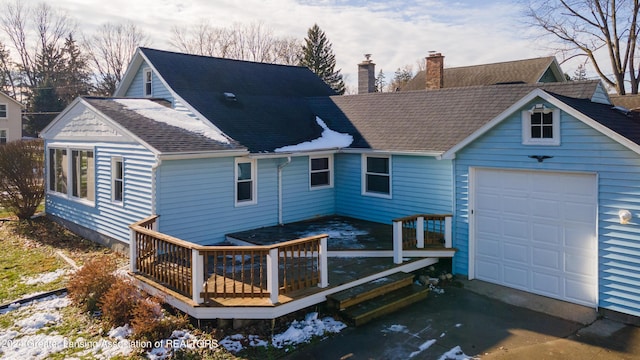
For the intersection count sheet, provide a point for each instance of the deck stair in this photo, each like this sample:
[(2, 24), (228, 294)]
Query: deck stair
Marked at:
[(368, 301)]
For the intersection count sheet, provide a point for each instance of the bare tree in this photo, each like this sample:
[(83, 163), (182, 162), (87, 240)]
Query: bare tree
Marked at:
[(585, 26), (254, 42), (110, 49)]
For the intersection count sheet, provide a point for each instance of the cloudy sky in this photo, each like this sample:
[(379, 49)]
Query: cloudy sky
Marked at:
[(396, 32)]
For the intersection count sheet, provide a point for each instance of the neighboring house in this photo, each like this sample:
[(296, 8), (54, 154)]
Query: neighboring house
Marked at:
[(528, 71), (631, 101), (10, 119), (541, 178)]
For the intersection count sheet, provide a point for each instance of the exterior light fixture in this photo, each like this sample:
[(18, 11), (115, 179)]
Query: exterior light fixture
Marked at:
[(625, 216)]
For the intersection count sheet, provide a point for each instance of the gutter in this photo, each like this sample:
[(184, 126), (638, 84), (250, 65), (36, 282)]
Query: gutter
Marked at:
[(280, 167)]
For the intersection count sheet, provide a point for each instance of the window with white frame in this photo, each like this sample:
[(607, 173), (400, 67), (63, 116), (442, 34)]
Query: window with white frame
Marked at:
[(148, 82), (246, 184), (3, 136), (72, 176), (376, 175), (541, 126), (3, 111), (117, 179), (320, 172)]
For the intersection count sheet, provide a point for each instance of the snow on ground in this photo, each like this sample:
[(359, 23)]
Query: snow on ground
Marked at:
[(299, 332), (455, 353), (45, 278)]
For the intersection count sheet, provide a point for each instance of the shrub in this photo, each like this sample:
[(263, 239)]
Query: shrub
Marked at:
[(22, 177), (87, 286), (118, 303), (150, 322)]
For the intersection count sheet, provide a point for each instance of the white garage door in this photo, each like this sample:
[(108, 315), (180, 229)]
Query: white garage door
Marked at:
[(536, 231)]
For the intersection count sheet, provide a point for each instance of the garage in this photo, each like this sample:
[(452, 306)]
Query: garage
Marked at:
[(536, 231)]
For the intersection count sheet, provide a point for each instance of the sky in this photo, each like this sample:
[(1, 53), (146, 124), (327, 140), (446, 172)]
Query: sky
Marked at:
[(395, 32)]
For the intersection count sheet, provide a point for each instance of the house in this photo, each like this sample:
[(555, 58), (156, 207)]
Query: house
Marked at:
[(527, 71), (10, 119), (535, 183)]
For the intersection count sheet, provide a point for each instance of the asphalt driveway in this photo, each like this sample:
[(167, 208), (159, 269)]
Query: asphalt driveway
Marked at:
[(471, 321)]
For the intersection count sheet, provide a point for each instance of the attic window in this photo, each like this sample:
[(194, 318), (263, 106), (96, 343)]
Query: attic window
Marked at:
[(148, 85), (541, 126), (229, 96)]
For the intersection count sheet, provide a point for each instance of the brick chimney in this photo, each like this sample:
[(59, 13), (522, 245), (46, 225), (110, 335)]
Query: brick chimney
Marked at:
[(366, 76), (435, 71)]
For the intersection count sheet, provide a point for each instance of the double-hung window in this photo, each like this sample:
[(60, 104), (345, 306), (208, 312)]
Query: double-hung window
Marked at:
[(58, 170), (376, 175), (3, 136), (246, 182), (117, 179), (320, 172), (541, 126), (3, 111), (148, 82)]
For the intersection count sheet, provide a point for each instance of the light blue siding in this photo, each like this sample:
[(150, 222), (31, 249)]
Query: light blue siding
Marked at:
[(419, 185), (107, 217), (582, 149), (158, 90), (299, 202)]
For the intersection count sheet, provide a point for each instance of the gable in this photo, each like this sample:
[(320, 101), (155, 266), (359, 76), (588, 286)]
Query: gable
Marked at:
[(80, 122)]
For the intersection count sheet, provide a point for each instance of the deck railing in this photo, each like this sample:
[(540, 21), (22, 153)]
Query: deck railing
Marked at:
[(420, 231), (206, 272)]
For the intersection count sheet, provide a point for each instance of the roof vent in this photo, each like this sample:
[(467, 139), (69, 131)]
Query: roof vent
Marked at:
[(229, 96)]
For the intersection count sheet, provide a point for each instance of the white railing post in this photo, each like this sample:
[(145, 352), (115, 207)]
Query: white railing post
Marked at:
[(272, 275), (132, 251), (324, 266), (448, 232), (397, 242), (420, 232), (197, 276)]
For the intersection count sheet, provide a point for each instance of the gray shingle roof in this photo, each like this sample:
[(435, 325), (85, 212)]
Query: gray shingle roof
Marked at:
[(163, 137), (520, 71), (430, 121)]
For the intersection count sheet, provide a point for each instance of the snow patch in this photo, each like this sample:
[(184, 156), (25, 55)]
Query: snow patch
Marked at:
[(329, 139), (163, 114), (422, 347), (455, 353), (396, 328), (45, 278)]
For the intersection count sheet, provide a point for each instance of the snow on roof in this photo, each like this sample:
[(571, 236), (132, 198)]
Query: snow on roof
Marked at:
[(160, 113), (329, 139)]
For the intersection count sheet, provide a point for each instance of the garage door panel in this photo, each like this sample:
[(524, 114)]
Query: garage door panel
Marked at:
[(536, 231), (515, 277)]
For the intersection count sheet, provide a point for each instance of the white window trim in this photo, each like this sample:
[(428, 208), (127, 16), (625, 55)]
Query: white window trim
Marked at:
[(363, 181), (147, 73), (114, 160), (254, 185), (70, 184), (6, 135), (526, 129), (330, 169), (6, 111)]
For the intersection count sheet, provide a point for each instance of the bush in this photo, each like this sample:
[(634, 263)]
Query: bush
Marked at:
[(89, 284), (22, 177), (118, 303), (150, 322)]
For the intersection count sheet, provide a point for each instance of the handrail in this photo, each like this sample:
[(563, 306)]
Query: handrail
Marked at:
[(426, 216)]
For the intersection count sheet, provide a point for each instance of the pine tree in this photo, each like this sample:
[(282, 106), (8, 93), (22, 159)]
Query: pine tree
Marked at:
[(318, 56)]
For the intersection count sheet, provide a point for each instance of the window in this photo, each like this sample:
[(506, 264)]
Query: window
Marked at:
[(3, 136), (117, 179), (245, 182), (77, 183), (320, 172), (541, 126), (83, 174), (3, 110), (377, 175), (58, 170), (148, 77)]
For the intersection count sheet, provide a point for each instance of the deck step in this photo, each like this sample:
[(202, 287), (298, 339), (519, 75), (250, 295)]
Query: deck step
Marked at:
[(370, 290), (366, 311)]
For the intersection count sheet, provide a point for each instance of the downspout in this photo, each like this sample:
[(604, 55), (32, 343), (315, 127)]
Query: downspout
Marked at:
[(280, 167)]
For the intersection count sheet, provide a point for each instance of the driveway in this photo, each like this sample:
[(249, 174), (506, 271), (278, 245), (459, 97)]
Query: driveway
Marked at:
[(472, 321)]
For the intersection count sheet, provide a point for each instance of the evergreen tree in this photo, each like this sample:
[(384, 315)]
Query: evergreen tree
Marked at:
[(380, 82), (318, 56)]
